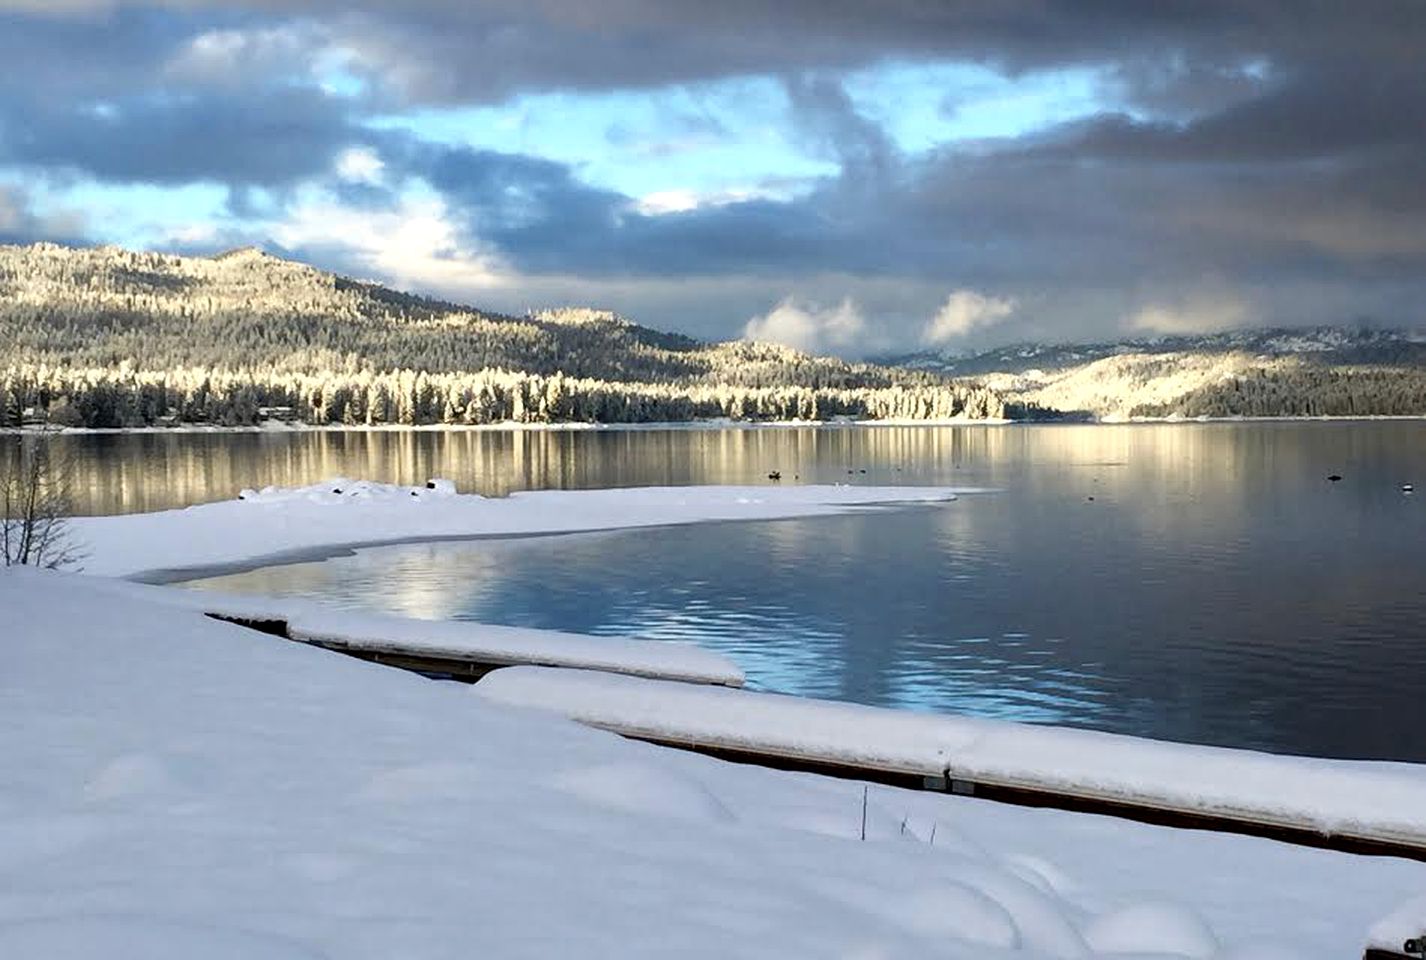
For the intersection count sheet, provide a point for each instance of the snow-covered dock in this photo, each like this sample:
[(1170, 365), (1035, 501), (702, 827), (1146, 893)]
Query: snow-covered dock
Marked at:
[(468, 651), (1355, 806)]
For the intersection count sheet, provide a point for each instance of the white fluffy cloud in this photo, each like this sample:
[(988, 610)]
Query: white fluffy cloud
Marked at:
[(414, 246), (238, 57), (682, 201), (360, 165), (964, 311), (809, 327)]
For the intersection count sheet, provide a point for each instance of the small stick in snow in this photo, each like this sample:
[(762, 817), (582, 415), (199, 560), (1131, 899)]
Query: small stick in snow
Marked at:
[(864, 790)]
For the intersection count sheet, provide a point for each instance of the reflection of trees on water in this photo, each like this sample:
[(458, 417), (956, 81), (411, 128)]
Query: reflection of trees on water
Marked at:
[(1229, 463)]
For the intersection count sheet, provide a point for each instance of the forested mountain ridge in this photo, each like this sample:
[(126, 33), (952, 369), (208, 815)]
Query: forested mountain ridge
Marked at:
[(110, 337), (105, 337), (1274, 372)]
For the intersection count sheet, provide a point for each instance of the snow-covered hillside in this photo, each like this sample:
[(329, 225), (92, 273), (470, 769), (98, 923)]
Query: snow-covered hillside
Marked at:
[(1321, 371), (106, 337)]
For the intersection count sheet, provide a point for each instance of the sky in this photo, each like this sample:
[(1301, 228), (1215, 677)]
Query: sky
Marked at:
[(849, 177)]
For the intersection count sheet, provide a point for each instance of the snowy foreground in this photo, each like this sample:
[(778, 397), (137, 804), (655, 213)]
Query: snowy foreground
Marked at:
[(176, 787)]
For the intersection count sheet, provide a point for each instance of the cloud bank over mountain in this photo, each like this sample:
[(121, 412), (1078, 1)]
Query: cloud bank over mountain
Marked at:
[(1100, 166)]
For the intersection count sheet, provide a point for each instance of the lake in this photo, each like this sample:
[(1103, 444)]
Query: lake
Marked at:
[(1196, 582)]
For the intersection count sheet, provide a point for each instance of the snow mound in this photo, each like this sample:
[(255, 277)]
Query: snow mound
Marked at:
[(644, 788), (1044, 924), (940, 911), (340, 490), (1406, 922), (1155, 929), (1039, 873)]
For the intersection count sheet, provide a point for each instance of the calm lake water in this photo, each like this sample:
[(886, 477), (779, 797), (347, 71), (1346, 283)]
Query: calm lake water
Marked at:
[(1217, 588)]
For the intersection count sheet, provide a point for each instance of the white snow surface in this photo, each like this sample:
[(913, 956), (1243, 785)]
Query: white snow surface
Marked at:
[(277, 523), (174, 787), (315, 622), (495, 644), (1372, 799), (1406, 922)]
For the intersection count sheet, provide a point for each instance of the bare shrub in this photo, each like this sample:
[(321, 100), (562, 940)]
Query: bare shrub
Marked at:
[(35, 506)]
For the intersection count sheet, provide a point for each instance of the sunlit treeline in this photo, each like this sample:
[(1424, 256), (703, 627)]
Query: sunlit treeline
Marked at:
[(123, 397), (1303, 390), (103, 307)]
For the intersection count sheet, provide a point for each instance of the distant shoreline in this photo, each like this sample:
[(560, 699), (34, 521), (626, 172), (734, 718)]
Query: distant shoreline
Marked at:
[(574, 426)]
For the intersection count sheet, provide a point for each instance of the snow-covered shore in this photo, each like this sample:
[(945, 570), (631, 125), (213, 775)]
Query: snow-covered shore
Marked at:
[(690, 425), (272, 525), (178, 784), (556, 426)]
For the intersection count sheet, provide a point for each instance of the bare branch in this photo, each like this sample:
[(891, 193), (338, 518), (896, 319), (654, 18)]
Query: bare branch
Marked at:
[(35, 506)]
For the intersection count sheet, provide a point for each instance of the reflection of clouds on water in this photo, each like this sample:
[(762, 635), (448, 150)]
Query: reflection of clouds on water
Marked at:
[(428, 585), (1217, 588)]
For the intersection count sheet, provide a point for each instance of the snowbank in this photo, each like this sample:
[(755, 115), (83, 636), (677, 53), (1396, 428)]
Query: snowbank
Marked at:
[(1353, 798), (275, 524), (175, 786), (1406, 922)]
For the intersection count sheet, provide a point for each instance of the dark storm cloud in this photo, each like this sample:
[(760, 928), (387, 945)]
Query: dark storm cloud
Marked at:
[(462, 51), (1311, 116), (542, 218), (55, 60), (1022, 216), (459, 51), (269, 141), (119, 96), (1266, 144), (833, 129)]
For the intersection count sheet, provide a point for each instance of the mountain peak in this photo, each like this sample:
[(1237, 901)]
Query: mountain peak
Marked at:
[(250, 252)]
